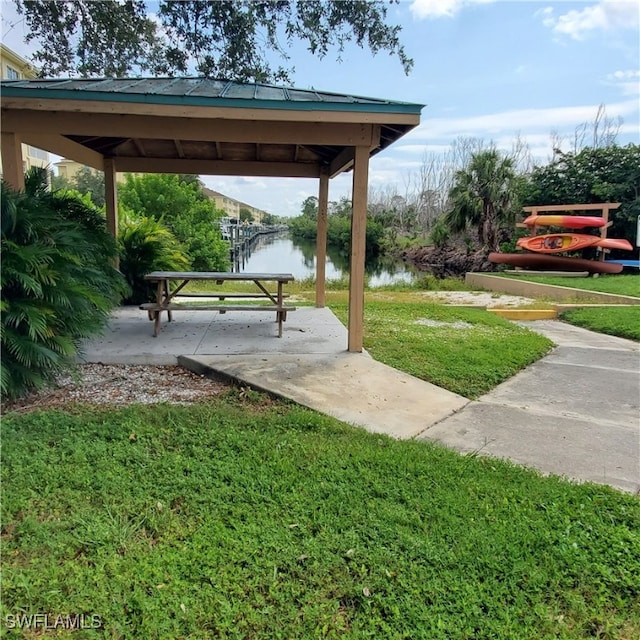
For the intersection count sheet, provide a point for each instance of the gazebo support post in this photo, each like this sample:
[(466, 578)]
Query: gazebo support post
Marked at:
[(111, 199), (12, 171), (321, 245), (358, 247)]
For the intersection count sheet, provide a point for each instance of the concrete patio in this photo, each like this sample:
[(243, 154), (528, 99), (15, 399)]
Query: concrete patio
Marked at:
[(309, 364), (575, 412)]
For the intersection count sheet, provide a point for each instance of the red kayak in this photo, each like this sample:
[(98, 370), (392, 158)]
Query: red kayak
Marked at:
[(569, 222), (558, 242), (542, 262)]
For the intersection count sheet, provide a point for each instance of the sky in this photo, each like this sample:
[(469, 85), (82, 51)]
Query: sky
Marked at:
[(486, 69)]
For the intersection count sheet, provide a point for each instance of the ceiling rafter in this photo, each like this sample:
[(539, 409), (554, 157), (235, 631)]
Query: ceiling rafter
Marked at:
[(138, 144)]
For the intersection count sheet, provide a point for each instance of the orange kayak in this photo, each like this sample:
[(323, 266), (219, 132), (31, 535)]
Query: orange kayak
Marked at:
[(558, 242), (569, 222), (614, 243)]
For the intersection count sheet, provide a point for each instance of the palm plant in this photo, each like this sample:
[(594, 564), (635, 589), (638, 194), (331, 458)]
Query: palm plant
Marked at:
[(147, 245), (484, 196), (58, 284)]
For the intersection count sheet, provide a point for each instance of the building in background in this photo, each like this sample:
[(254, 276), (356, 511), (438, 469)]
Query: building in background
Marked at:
[(15, 67), (68, 169), (232, 207)]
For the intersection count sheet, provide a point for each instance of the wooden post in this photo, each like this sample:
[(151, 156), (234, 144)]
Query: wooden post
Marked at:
[(12, 169), (321, 242), (111, 200), (358, 247)]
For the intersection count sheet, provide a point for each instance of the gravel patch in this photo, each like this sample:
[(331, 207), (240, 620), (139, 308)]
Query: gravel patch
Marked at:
[(479, 298), (101, 384), (458, 324)]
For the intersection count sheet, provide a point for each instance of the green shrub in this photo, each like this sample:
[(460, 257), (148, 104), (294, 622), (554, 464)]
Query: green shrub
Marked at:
[(58, 284), (147, 245), (181, 206), (339, 233), (440, 233)]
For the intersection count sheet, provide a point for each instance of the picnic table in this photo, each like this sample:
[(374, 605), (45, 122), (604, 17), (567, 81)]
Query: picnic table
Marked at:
[(165, 295)]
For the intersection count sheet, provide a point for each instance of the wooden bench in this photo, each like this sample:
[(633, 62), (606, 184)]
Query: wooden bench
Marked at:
[(165, 296)]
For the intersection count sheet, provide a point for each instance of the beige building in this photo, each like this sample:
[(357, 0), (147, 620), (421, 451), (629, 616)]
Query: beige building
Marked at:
[(68, 169), (15, 67), (232, 206)]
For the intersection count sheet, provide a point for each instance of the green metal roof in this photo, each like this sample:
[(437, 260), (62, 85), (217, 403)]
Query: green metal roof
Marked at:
[(201, 92)]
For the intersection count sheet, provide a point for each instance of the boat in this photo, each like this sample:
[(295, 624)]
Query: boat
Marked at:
[(542, 262), (568, 222), (627, 263), (615, 243), (558, 242)]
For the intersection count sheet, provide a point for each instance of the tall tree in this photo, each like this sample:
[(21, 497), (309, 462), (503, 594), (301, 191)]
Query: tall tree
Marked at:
[(593, 175), (179, 205), (88, 180), (233, 39), (245, 215), (484, 195)]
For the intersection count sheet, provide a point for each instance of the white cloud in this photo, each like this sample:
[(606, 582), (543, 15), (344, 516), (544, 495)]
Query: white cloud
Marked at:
[(627, 82), (606, 15), (516, 120), (441, 8)]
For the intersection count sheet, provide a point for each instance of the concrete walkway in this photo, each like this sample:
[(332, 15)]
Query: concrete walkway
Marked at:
[(574, 413), (349, 386)]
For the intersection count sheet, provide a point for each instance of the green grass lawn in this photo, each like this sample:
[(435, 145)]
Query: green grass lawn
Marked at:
[(306, 286), (617, 321), (620, 284), (623, 321), (468, 351), (249, 518)]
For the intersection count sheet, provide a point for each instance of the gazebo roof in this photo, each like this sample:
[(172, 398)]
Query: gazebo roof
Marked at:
[(210, 127), (148, 124)]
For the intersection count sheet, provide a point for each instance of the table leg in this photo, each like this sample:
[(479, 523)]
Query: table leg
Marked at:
[(167, 297), (159, 300), (280, 314)]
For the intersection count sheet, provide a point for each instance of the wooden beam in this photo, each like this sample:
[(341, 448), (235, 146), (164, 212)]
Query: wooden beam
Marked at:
[(69, 149), (342, 162), (321, 238), (168, 128), (137, 143), (207, 112), (358, 248), (12, 167), (219, 151), (111, 199), (573, 207), (218, 167)]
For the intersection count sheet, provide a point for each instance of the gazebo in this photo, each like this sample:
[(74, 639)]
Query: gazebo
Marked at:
[(211, 127)]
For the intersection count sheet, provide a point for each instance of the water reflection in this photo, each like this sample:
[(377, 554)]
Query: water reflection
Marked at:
[(281, 254)]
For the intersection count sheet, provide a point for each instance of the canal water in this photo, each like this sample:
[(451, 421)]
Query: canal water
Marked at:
[(279, 253)]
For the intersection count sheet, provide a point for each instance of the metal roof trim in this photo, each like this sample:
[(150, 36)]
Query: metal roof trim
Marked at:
[(322, 101)]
